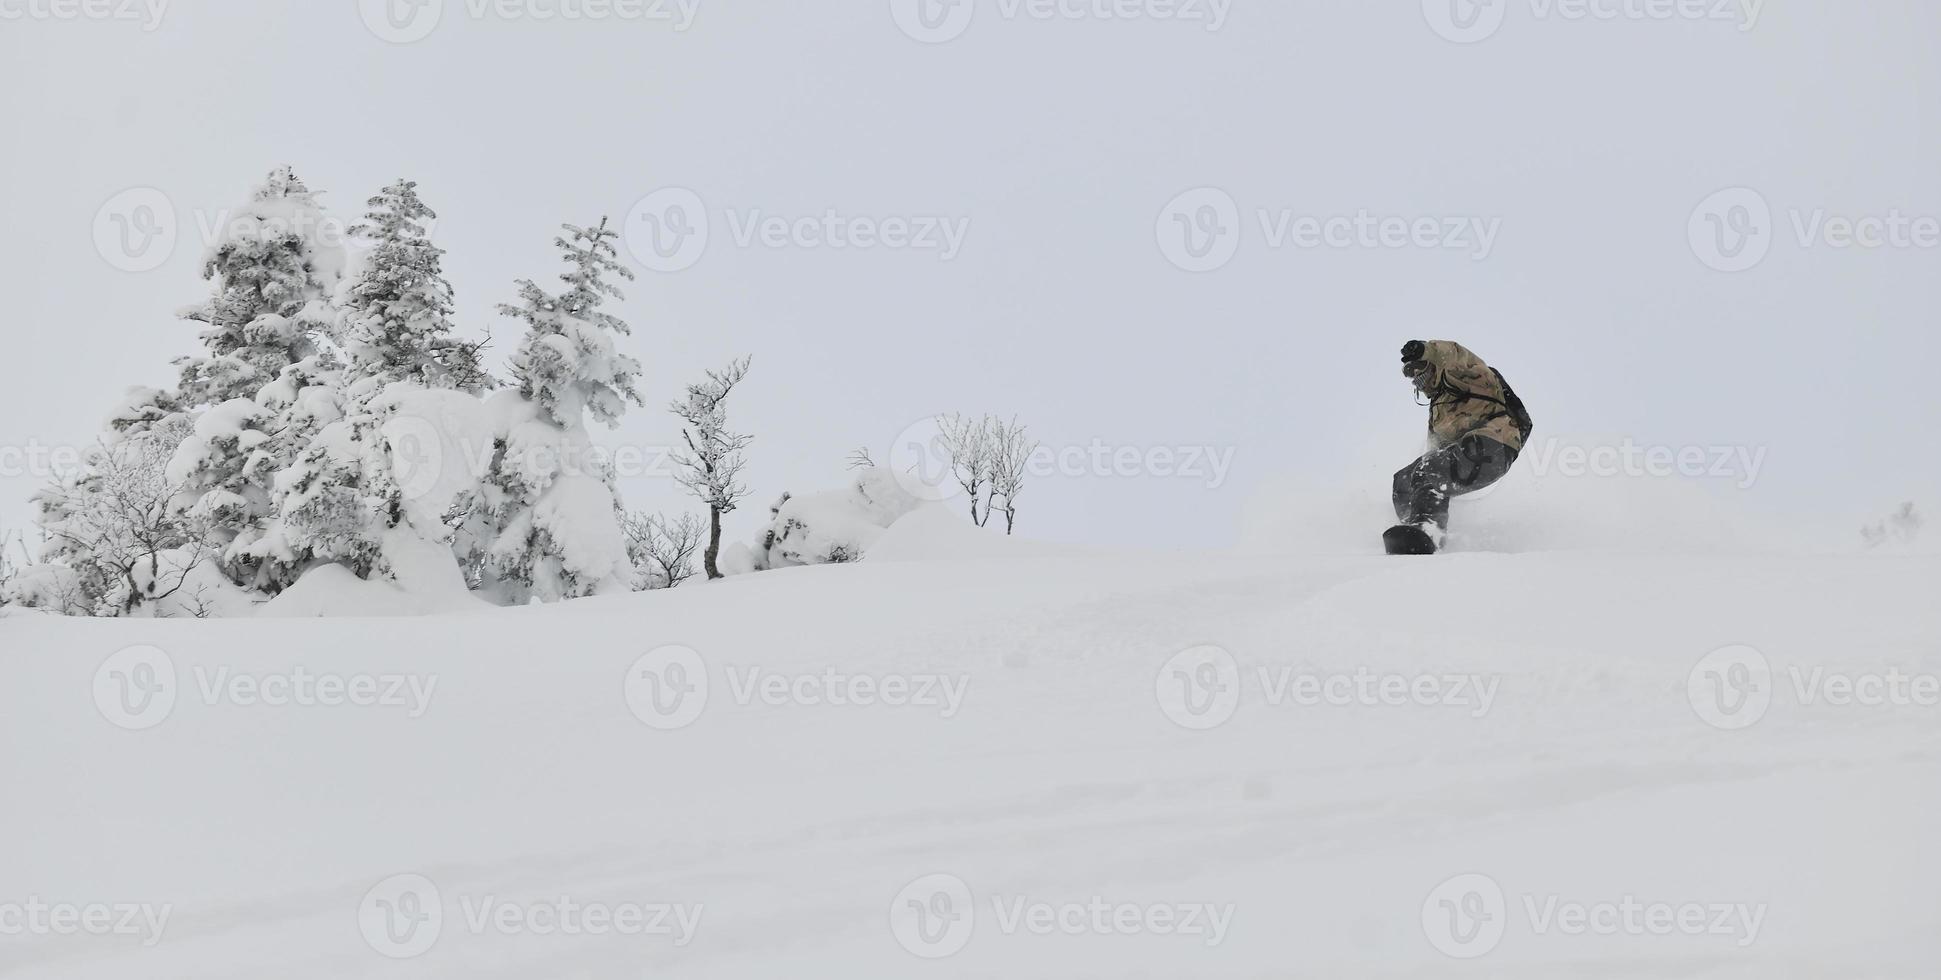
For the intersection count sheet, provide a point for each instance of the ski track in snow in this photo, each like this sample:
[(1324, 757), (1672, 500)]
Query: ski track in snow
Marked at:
[(1326, 827)]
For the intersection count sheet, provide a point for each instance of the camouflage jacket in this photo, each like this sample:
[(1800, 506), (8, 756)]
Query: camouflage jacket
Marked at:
[(1466, 397)]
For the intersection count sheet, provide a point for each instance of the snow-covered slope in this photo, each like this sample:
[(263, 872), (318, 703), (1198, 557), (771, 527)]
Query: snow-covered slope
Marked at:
[(1085, 786)]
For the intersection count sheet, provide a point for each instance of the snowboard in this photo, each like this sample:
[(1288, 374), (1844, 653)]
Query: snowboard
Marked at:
[(1407, 539)]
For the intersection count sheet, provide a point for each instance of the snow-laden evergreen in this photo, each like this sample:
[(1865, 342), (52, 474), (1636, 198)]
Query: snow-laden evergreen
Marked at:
[(275, 263), (269, 377), (335, 425), (550, 515), (342, 499), (398, 305)]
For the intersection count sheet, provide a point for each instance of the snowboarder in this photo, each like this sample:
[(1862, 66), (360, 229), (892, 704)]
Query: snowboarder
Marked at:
[(1477, 426)]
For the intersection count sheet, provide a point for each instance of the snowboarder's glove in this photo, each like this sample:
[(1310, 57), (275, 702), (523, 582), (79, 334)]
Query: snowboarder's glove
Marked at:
[(1414, 350)]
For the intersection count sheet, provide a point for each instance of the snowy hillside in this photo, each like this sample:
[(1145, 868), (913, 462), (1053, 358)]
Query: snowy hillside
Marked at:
[(1529, 765)]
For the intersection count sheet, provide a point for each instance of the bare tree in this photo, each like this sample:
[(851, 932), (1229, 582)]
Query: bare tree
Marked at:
[(988, 458), (119, 525), (711, 467), (1902, 525), (7, 568), (967, 442), (1011, 450), (662, 551), (861, 459)]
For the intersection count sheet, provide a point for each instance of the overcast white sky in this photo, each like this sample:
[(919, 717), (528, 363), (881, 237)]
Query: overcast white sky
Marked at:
[(1584, 143)]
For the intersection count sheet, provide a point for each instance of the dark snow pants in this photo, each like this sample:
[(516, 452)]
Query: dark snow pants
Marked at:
[(1423, 488)]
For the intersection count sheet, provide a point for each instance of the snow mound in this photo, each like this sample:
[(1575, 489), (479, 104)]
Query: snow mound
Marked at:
[(334, 591), (1553, 727), (425, 580), (439, 443), (935, 532), (1527, 512), (830, 527)]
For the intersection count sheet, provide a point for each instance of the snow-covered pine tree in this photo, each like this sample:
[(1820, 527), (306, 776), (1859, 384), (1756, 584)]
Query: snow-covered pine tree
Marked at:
[(710, 469), (142, 410), (398, 307), (274, 265), (267, 382), (551, 514), (339, 500), (567, 364)]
